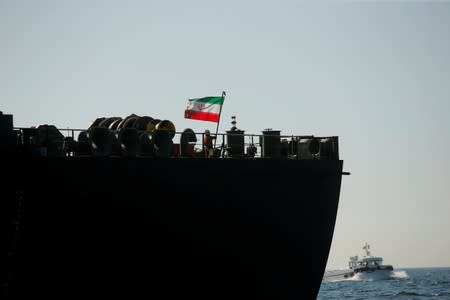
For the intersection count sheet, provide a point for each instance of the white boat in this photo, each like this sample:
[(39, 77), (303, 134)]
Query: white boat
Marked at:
[(369, 267)]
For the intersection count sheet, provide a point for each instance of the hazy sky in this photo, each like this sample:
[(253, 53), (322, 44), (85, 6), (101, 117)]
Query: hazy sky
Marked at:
[(377, 74)]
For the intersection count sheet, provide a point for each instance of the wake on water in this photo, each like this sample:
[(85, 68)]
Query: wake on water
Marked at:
[(374, 276), (412, 283)]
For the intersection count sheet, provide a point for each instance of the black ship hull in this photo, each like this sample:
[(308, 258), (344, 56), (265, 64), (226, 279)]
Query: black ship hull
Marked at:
[(170, 228)]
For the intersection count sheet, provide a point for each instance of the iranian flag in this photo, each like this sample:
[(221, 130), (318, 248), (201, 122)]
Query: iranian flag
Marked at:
[(205, 109)]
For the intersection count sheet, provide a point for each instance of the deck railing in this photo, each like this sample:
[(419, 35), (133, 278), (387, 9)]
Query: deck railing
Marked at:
[(48, 140)]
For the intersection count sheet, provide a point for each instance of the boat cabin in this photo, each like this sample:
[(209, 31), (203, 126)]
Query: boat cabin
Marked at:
[(366, 262)]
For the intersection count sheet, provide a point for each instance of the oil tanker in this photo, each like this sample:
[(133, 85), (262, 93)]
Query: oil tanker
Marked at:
[(131, 208)]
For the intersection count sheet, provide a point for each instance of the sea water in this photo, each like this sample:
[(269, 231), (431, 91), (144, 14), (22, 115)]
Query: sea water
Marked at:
[(418, 283)]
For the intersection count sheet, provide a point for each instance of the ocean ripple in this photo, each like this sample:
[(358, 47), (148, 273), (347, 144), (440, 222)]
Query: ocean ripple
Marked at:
[(418, 283)]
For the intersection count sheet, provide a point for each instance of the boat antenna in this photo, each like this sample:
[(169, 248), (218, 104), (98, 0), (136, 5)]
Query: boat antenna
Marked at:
[(367, 247)]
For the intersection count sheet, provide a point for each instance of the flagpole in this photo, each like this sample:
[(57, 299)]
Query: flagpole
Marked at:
[(218, 121)]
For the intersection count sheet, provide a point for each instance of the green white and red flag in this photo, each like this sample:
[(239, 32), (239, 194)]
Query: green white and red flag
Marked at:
[(204, 109)]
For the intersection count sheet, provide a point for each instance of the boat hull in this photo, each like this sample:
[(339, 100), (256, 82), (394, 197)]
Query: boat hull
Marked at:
[(209, 229), (373, 275), (337, 275)]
